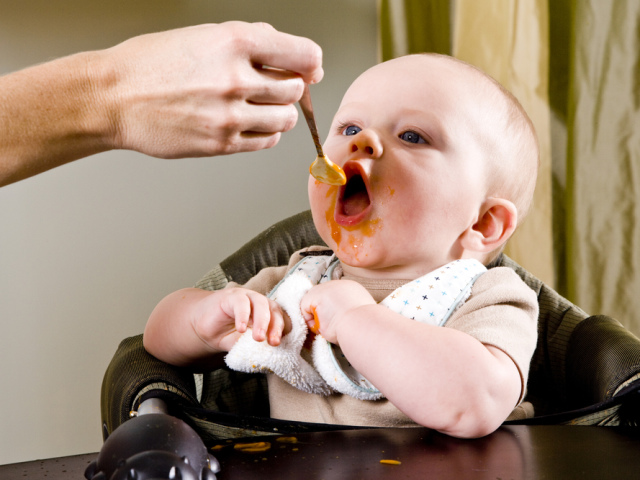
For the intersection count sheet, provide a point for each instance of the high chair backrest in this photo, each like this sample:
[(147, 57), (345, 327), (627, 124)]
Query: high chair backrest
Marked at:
[(584, 370)]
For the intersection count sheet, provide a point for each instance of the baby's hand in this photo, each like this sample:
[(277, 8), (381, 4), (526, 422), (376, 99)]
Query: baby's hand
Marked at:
[(224, 319), (329, 303)]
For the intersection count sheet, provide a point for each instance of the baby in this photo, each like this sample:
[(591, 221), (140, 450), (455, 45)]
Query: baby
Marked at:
[(441, 163)]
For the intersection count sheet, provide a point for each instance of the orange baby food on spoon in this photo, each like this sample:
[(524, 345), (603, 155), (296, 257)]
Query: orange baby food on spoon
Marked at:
[(322, 169)]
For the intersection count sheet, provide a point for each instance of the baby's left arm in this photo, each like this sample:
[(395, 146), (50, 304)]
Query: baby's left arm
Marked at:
[(442, 378)]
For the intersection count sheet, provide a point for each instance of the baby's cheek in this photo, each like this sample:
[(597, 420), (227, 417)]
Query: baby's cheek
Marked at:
[(317, 196), (322, 199)]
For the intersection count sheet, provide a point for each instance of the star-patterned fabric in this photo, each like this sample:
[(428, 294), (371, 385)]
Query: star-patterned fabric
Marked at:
[(434, 297)]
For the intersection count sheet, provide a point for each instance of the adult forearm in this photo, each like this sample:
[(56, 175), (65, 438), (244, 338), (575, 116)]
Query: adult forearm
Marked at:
[(50, 115), (440, 377)]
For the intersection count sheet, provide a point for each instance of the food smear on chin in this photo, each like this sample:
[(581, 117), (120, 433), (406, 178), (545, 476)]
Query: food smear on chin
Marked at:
[(356, 243)]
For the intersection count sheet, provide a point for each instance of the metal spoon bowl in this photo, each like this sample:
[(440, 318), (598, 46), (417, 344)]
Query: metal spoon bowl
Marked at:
[(322, 169)]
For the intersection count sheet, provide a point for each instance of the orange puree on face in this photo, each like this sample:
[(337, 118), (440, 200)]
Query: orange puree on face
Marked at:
[(354, 240), (336, 234)]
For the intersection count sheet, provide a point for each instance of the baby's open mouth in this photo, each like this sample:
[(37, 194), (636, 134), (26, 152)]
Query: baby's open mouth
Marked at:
[(354, 201)]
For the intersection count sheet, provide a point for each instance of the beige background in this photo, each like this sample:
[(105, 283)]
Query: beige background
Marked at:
[(88, 249)]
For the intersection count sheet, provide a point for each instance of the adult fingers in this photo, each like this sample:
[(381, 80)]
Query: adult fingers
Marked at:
[(275, 86), (255, 118), (288, 52), (255, 127), (250, 128)]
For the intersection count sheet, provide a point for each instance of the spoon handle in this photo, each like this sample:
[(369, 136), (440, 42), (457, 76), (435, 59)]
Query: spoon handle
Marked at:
[(307, 110)]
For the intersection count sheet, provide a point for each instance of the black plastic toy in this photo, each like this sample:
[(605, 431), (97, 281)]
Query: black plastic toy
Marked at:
[(153, 445)]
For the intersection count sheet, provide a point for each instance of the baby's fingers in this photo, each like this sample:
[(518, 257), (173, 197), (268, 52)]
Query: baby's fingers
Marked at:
[(277, 325), (260, 315), (240, 310), (263, 315), (247, 309)]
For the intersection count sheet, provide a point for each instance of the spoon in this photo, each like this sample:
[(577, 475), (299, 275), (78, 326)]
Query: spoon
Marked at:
[(322, 169)]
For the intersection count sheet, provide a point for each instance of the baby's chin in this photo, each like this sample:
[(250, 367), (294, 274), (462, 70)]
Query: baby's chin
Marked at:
[(357, 258)]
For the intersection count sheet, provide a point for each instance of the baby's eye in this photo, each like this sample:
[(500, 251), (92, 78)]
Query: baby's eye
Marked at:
[(351, 130), (411, 137)]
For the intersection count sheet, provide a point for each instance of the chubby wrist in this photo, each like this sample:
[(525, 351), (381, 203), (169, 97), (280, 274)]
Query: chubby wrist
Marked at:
[(353, 321)]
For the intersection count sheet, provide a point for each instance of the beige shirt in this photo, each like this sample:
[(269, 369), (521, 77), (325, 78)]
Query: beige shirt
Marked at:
[(502, 311)]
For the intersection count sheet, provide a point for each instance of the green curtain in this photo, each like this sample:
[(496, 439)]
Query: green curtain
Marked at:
[(575, 67), (413, 26)]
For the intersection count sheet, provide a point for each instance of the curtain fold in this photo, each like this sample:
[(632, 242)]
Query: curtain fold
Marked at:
[(412, 26), (575, 67), (602, 193)]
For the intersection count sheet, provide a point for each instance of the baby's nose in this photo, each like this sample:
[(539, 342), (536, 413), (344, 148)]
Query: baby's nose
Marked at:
[(367, 142)]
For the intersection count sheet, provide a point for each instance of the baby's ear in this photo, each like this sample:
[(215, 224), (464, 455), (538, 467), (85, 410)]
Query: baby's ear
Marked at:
[(496, 223)]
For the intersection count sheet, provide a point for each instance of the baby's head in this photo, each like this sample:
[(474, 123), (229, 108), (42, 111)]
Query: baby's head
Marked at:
[(441, 163)]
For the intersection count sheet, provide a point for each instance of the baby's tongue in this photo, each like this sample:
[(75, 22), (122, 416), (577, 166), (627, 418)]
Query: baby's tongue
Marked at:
[(355, 203)]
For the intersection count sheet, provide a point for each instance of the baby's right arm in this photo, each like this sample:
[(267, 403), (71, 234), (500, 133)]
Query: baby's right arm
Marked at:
[(193, 327)]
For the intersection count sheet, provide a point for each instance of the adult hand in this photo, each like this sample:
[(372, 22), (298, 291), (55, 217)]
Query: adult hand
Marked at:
[(197, 91), (205, 90)]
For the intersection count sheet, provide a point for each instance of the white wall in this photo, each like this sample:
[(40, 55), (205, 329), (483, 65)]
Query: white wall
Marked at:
[(88, 249)]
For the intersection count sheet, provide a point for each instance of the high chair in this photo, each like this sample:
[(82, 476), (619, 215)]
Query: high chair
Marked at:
[(585, 369)]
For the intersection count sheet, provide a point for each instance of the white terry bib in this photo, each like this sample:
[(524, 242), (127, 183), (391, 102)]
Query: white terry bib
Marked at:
[(430, 299)]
